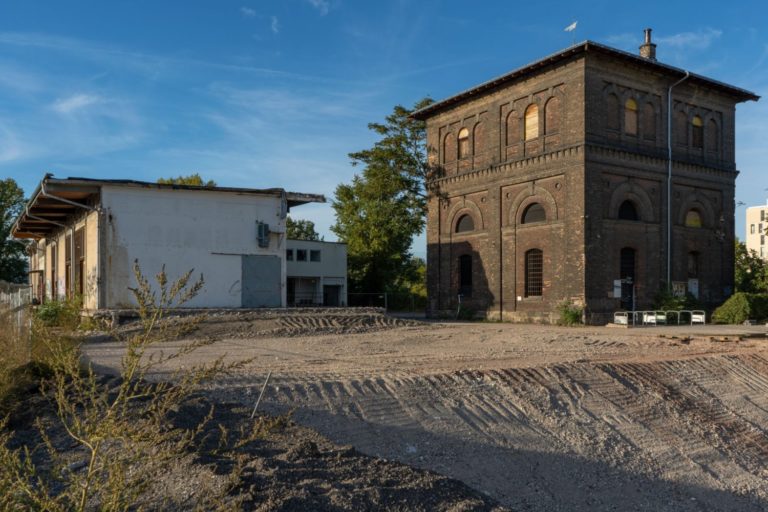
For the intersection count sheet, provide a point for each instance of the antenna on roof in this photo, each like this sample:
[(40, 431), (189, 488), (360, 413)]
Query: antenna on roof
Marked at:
[(572, 28)]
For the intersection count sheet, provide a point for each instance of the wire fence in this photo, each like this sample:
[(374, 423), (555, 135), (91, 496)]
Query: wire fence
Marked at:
[(15, 321), (391, 301)]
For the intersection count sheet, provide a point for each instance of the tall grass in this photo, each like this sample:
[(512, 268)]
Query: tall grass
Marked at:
[(118, 427)]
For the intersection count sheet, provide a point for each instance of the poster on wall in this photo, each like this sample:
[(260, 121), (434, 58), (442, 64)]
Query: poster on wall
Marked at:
[(693, 287), (678, 288)]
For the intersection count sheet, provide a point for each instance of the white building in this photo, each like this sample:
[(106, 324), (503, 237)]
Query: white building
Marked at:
[(757, 224), (88, 233), (316, 272)]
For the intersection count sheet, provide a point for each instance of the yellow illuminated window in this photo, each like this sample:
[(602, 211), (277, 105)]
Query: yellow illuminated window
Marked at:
[(532, 122), (693, 219)]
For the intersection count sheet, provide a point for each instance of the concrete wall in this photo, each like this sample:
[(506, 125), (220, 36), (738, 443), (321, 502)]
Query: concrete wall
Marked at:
[(208, 231)]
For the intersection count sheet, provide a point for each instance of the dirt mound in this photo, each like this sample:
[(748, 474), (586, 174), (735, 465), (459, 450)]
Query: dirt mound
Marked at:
[(292, 468), (298, 322)]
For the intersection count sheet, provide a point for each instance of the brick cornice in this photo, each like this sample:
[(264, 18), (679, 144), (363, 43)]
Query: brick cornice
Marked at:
[(496, 170), (621, 155)]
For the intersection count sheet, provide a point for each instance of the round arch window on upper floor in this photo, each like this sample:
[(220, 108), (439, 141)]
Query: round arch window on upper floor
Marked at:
[(552, 116), (628, 211), (534, 212), (449, 148), (649, 122), (612, 113), (463, 143), (630, 117), (693, 218), (532, 122), (465, 224), (712, 136), (697, 132)]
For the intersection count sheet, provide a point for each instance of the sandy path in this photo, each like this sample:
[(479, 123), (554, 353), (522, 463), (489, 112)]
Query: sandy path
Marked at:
[(540, 418)]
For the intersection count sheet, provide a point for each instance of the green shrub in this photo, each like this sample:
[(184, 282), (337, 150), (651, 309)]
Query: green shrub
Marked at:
[(741, 307), (666, 301), (465, 313), (570, 313), (60, 313)]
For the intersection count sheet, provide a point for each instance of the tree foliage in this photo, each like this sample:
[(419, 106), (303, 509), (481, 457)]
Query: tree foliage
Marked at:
[(192, 179), (301, 230), (13, 264), (750, 272), (384, 207)]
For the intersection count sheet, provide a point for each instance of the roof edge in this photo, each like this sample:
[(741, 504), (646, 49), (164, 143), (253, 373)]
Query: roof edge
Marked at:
[(580, 48)]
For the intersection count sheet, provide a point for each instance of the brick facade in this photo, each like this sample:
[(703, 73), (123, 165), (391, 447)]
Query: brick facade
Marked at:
[(579, 134)]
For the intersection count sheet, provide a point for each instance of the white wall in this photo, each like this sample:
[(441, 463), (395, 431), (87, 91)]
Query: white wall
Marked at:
[(184, 229), (330, 270)]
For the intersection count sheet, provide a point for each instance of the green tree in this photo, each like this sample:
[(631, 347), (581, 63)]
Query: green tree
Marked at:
[(301, 230), (750, 272), (192, 179), (384, 207), (13, 263)]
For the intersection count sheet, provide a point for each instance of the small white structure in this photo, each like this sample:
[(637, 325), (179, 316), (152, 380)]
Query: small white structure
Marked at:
[(757, 227), (316, 273), (88, 233)]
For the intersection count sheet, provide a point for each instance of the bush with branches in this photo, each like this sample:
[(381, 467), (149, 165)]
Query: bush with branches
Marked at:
[(123, 429)]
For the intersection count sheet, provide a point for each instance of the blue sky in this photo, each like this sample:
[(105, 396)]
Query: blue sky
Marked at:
[(276, 93)]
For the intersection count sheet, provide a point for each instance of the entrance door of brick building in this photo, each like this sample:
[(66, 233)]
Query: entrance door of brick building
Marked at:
[(627, 275)]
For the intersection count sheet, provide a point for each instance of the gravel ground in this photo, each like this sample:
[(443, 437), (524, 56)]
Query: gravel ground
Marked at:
[(536, 417)]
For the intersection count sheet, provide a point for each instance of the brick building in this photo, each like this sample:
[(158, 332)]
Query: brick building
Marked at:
[(554, 186)]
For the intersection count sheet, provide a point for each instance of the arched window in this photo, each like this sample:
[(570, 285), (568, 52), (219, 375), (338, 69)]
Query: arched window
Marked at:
[(697, 132), (612, 114), (630, 117), (534, 273), (478, 139), (465, 275), (552, 116), (713, 137), (681, 128), (693, 265), (534, 213), (531, 122), (463, 143), (513, 128), (649, 122), (449, 148), (693, 218), (627, 211), (465, 224)]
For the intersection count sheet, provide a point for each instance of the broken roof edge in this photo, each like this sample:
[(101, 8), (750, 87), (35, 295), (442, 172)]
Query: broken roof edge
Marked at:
[(583, 47), (292, 198)]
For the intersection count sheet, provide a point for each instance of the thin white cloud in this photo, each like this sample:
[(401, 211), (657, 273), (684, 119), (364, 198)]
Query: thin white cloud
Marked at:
[(699, 40), (75, 103), (323, 6), (248, 12), (10, 147), (274, 25)]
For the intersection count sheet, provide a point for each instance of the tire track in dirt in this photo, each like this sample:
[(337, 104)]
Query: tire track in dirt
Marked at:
[(696, 423)]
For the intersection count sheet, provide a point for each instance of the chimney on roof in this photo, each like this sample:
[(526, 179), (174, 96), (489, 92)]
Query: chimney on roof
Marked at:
[(648, 49)]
